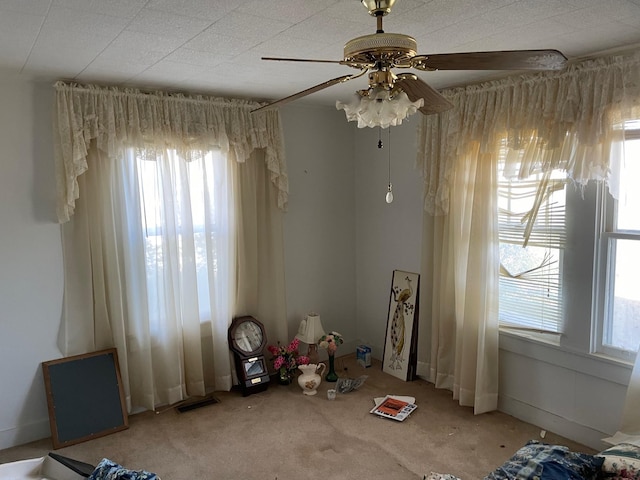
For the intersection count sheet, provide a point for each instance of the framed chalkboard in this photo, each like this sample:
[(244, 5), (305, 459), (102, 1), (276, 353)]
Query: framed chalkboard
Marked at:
[(85, 397)]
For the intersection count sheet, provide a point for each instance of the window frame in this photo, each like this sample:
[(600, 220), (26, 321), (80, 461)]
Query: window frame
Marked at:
[(606, 234)]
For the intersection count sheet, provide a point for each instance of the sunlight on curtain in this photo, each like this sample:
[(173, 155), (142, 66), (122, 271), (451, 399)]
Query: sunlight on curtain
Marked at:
[(460, 262), (552, 120), (567, 120)]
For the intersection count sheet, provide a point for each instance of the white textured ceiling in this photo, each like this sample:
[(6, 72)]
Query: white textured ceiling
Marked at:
[(214, 46)]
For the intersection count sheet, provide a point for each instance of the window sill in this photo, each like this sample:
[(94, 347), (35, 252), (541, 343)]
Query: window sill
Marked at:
[(547, 348), (537, 336), (613, 360)]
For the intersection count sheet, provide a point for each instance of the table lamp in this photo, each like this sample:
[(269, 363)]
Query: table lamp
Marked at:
[(309, 332)]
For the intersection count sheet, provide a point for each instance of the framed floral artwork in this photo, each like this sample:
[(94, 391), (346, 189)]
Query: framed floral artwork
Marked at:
[(401, 342)]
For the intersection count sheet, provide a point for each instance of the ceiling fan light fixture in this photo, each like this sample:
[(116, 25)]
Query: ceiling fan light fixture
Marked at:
[(379, 108)]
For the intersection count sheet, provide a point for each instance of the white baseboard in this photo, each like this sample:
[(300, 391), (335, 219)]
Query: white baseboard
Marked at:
[(24, 434), (553, 423), (543, 419)]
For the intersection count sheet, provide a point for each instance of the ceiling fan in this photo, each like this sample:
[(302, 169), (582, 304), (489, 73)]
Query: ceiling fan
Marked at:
[(380, 53)]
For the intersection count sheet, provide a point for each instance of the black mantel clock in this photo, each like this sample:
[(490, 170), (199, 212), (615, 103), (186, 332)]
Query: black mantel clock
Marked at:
[(247, 340)]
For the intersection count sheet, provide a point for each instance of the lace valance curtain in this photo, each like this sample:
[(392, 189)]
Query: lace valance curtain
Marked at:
[(568, 120), (117, 118)]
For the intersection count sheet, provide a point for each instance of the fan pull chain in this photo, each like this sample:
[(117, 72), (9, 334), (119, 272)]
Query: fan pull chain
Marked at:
[(389, 196)]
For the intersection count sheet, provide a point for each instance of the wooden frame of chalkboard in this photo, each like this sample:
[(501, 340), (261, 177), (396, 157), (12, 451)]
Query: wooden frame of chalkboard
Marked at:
[(85, 397)]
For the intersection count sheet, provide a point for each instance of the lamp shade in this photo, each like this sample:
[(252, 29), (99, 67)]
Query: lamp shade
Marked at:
[(379, 109), (310, 329)]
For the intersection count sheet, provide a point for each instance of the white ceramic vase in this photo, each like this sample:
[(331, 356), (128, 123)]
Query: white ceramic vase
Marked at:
[(310, 378)]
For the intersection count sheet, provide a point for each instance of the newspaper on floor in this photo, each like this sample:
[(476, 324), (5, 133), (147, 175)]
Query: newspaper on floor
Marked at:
[(396, 407)]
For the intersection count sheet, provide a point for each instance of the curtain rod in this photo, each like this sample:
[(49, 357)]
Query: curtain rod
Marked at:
[(159, 94)]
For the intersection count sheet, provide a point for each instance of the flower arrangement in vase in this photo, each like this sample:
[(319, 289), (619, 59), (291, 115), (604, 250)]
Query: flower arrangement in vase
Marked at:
[(331, 341), (286, 360)]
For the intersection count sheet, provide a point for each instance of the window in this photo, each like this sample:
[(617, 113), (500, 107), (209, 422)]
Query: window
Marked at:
[(549, 281), (531, 217), (617, 295), (185, 232)]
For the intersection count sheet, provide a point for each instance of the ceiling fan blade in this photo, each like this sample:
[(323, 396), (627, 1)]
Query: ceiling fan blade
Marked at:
[(308, 91), (311, 60), (415, 88), (498, 60)]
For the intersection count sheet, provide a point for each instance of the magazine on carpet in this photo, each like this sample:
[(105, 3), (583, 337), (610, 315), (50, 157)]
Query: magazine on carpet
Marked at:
[(394, 407)]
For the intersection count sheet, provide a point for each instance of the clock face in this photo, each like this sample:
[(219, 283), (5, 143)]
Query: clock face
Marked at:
[(248, 336)]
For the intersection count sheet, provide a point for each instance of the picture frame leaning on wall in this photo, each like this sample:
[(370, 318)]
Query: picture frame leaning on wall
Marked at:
[(401, 343)]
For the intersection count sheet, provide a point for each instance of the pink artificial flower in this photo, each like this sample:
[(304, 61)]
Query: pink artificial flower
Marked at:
[(293, 346), (286, 357), (278, 362)]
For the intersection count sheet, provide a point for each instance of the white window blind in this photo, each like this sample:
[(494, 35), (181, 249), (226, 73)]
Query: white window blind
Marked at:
[(532, 234)]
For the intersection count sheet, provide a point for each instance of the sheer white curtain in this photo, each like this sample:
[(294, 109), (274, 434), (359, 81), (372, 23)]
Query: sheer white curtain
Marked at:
[(567, 120), (158, 231), (260, 243), (460, 262), (154, 259)]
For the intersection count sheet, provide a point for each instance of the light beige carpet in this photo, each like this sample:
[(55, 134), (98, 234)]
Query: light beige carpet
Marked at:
[(280, 433)]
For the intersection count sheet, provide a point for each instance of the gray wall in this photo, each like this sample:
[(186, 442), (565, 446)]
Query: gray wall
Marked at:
[(30, 259), (342, 242), (319, 234), (388, 236)]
